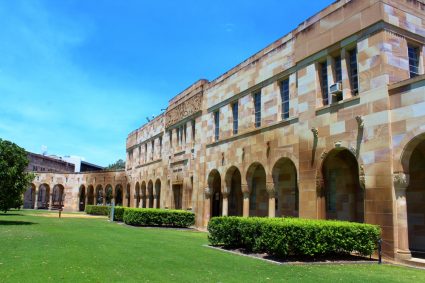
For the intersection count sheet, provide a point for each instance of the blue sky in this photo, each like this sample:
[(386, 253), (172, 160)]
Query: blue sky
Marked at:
[(77, 76)]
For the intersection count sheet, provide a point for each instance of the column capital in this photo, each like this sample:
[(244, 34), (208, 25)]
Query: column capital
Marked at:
[(207, 192), (270, 188), (225, 194), (400, 180), (245, 189)]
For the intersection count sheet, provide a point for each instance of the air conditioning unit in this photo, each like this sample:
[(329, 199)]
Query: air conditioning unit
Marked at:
[(335, 89)]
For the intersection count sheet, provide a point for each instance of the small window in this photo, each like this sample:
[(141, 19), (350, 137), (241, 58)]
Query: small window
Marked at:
[(146, 152), (235, 114), (160, 146), (413, 60), (193, 130), (284, 95), (353, 71), (257, 109), (324, 82), (216, 125), (153, 149)]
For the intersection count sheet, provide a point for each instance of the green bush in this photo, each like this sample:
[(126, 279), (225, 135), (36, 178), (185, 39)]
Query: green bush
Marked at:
[(118, 213), (158, 217), (284, 237), (97, 209)]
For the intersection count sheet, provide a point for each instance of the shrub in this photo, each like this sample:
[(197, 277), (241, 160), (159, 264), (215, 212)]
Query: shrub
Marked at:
[(97, 209), (158, 217), (118, 213), (284, 237)]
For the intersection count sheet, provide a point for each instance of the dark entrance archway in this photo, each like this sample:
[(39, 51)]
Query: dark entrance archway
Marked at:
[(82, 193), (118, 195), (344, 196), (29, 197), (143, 193), (109, 194), (233, 182), (214, 183), (128, 195), (285, 181), (58, 196), (99, 195), (137, 195), (158, 193), (43, 196), (258, 198), (150, 194), (90, 199)]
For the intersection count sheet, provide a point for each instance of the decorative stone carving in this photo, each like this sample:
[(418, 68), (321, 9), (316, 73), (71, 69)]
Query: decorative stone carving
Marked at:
[(323, 155), (353, 150), (362, 177), (401, 180), (319, 182), (315, 132), (271, 190), (183, 110), (360, 122), (207, 192), (338, 144), (245, 189)]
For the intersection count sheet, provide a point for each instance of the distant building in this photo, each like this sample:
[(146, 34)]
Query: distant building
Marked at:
[(81, 165), (43, 163)]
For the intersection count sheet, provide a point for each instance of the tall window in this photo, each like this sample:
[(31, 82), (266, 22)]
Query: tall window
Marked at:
[(153, 149), (140, 154), (160, 146), (413, 60), (257, 109), (235, 114), (185, 131), (178, 135), (146, 152), (284, 95), (338, 69), (193, 130), (170, 133), (216, 125), (324, 82), (353, 71)]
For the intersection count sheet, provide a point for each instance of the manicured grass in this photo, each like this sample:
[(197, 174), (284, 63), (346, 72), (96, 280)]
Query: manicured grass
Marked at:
[(42, 249)]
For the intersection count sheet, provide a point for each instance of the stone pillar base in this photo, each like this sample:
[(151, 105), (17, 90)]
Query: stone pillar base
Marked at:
[(403, 254)]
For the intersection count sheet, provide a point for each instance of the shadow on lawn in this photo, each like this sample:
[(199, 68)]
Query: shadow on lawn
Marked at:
[(11, 214), (7, 222)]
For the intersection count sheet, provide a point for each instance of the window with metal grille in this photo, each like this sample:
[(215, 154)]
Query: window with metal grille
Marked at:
[(235, 113), (354, 80), (324, 82), (257, 109), (284, 95), (413, 52), (338, 69), (216, 125)]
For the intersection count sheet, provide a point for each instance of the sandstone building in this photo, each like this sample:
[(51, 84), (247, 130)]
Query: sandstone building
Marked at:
[(326, 122)]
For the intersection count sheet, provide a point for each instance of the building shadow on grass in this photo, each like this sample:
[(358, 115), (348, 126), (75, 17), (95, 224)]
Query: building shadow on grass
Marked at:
[(11, 214), (7, 222)]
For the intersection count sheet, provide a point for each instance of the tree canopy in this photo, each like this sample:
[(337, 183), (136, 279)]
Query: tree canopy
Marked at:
[(119, 164), (13, 178)]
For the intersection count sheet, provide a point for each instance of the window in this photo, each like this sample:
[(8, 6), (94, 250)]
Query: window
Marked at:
[(216, 125), (338, 69), (235, 114), (185, 131), (284, 95), (160, 146), (193, 130), (170, 133), (178, 135), (413, 52), (153, 149), (140, 154), (257, 109), (353, 71), (324, 82), (146, 152)]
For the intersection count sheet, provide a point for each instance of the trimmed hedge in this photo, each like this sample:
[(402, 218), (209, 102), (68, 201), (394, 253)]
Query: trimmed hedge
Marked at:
[(158, 217), (97, 209), (284, 237), (118, 213)]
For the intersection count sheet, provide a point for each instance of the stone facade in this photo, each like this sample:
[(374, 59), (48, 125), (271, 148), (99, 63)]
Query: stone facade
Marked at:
[(326, 122)]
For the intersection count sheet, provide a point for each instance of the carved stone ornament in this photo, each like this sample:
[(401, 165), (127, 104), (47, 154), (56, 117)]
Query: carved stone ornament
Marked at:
[(245, 189), (323, 155), (270, 188), (353, 150), (183, 110), (315, 132), (362, 177), (360, 122), (400, 180), (319, 182), (207, 192), (338, 144)]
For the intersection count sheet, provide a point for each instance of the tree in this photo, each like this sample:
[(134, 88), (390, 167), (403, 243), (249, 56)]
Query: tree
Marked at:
[(119, 164), (13, 178)]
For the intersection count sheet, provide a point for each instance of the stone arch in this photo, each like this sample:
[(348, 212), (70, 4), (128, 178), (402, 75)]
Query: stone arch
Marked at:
[(109, 194), (128, 194), (137, 195), (157, 193), (43, 196), (82, 198), (339, 187), (90, 195), (29, 197), (411, 184), (214, 184), (233, 189), (258, 197), (100, 195), (58, 196), (150, 194), (118, 197), (284, 174), (143, 194)]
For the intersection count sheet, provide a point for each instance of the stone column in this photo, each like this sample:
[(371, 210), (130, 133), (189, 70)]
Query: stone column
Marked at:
[(135, 201), (155, 200), (50, 200), (94, 197), (401, 182), (86, 199), (104, 197), (207, 205), (246, 192), (36, 200), (272, 198), (225, 211)]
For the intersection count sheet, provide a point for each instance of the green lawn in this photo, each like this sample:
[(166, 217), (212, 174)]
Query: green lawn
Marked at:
[(42, 249)]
